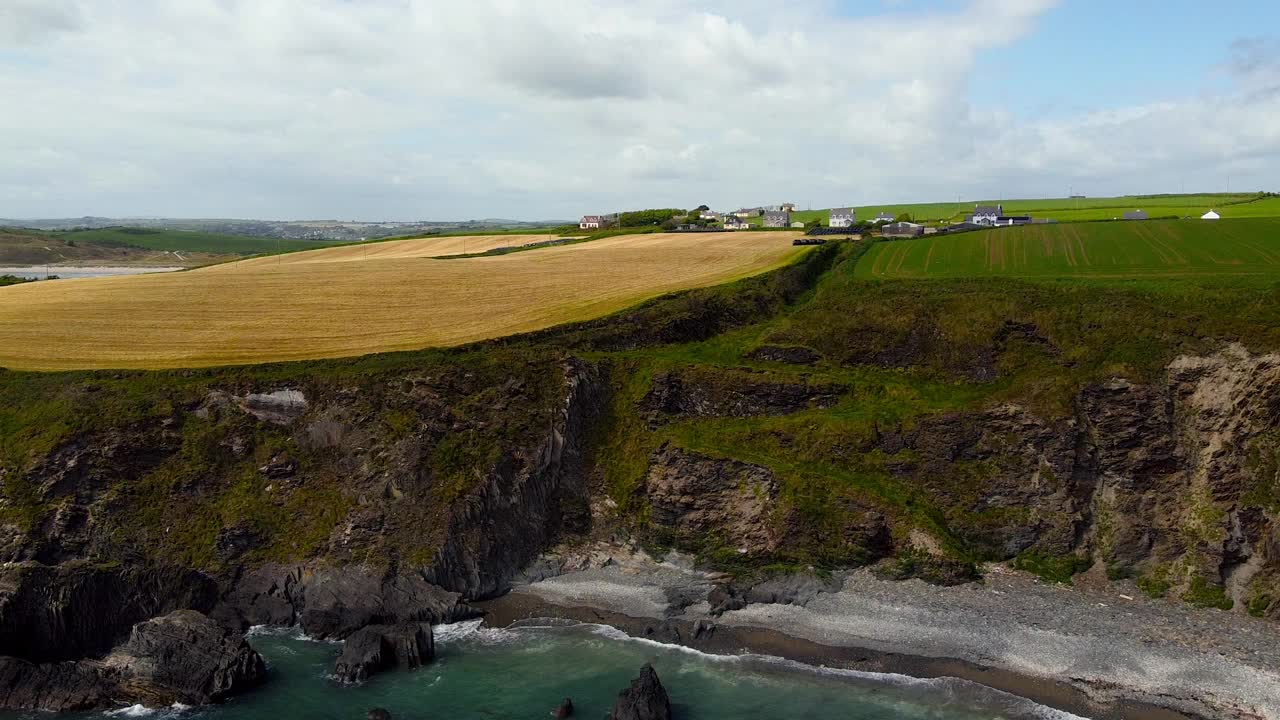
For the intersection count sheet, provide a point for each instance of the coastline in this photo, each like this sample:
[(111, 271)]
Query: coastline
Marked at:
[(1072, 650)]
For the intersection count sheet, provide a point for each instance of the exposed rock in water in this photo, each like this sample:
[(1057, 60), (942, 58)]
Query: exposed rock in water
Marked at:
[(334, 602), (53, 687), (77, 610), (375, 648), (646, 699), (184, 657), (564, 709), (379, 714)]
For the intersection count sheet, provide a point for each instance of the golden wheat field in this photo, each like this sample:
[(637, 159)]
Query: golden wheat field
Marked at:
[(428, 247), (303, 306)]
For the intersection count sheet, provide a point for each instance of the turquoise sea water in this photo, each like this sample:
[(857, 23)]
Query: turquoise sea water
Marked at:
[(524, 672)]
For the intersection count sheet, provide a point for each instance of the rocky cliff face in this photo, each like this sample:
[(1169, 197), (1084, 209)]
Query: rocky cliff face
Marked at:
[(1174, 483), (387, 502)]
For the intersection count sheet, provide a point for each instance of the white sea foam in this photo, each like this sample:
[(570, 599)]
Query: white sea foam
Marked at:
[(946, 684), (131, 711)]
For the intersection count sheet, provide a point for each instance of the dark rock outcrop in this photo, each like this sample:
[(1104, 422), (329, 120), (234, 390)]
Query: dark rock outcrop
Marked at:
[(693, 495), (677, 395), (528, 497), (77, 610), (646, 699), (790, 354), (334, 602), (564, 709), (53, 687), (794, 589), (375, 648), (184, 657)]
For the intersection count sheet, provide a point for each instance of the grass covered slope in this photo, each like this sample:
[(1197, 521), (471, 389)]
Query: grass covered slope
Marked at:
[(134, 246), (287, 308), (1149, 249)]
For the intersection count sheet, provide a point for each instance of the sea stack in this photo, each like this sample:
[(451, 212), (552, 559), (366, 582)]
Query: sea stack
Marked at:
[(646, 699)]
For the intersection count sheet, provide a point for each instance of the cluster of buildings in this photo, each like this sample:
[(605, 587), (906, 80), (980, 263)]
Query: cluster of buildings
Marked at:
[(780, 216)]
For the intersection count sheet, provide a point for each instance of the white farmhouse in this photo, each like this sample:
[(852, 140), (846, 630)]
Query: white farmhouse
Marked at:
[(987, 214), (842, 218)]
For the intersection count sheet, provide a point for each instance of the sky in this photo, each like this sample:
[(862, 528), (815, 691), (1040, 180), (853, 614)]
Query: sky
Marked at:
[(446, 110)]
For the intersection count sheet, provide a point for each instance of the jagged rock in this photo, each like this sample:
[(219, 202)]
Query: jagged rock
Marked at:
[(694, 495), (53, 687), (184, 657), (646, 699), (331, 602), (76, 610), (375, 648), (564, 709), (379, 714), (723, 600)]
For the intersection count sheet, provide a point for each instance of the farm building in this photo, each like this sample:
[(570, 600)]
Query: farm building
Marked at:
[(986, 214), (1211, 215), (842, 218), (902, 230), (1135, 215), (735, 223), (747, 213), (797, 224), (591, 222), (787, 207), (708, 215), (1010, 220), (777, 219)]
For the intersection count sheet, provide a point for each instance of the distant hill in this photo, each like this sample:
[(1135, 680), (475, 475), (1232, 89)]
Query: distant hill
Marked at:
[(130, 246)]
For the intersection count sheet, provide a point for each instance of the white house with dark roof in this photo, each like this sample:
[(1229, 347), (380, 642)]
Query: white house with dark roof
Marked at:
[(735, 223), (842, 218), (591, 222), (884, 217), (987, 214), (777, 219)]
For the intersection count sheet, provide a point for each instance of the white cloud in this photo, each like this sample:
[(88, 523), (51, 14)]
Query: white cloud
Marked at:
[(434, 109)]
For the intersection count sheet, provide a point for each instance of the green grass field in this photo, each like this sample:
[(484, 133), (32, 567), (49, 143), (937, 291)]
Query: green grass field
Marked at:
[(1230, 205), (185, 241), (1151, 249)]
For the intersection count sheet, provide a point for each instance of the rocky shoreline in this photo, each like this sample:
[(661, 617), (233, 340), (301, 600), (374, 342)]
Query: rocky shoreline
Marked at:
[(1090, 651)]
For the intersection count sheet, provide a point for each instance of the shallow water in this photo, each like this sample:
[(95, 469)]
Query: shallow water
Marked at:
[(39, 272), (525, 672)]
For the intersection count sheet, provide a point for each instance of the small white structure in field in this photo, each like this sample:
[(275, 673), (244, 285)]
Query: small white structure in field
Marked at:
[(1211, 215)]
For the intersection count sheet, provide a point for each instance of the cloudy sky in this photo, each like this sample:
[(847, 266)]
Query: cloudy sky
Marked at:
[(443, 109)]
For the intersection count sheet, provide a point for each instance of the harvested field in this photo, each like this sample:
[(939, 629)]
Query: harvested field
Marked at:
[(399, 249), (296, 307), (1137, 249)]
